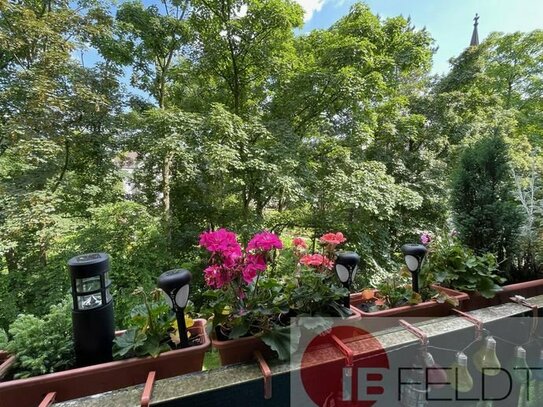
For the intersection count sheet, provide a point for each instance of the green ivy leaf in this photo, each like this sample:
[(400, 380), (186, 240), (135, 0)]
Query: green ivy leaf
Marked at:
[(282, 340), (128, 343)]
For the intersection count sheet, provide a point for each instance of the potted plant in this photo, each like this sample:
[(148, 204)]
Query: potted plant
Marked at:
[(314, 290), (456, 266), (245, 302), (252, 307), (453, 265), (44, 349), (393, 296)]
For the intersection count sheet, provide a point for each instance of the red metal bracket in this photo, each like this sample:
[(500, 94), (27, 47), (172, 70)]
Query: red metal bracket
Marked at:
[(415, 331), (522, 301), (266, 373), (6, 364), (148, 389), (477, 322), (48, 400), (349, 354)]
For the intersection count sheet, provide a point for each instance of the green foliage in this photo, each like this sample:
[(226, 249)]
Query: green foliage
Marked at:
[(453, 265), (240, 122), (237, 55), (498, 85), (137, 245), (312, 293), (283, 340), (149, 328), (485, 214), (42, 345), (258, 314), (396, 291), (3, 339)]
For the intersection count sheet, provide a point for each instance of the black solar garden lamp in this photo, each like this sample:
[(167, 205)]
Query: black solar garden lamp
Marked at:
[(176, 285), (414, 256), (346, 266)]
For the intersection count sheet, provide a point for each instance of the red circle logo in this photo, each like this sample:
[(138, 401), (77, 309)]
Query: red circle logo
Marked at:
[(343, 367)]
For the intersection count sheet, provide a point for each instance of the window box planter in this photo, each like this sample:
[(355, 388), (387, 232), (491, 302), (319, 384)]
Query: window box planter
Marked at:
[(525, 289), (241, 350), (84, 381), (427, 309), (233, 351)]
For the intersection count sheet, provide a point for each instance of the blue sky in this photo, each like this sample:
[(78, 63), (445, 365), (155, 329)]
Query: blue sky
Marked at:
[(449, 21)]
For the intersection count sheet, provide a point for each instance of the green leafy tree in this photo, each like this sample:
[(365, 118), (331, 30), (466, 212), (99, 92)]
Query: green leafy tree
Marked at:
[(484, 210), (366, 154), (150, 41), (241, 46), (57, 144)]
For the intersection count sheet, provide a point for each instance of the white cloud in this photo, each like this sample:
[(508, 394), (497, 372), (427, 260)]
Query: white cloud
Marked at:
[(310, 6)]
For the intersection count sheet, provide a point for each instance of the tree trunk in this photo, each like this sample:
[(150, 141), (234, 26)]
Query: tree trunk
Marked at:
[(166, 178)]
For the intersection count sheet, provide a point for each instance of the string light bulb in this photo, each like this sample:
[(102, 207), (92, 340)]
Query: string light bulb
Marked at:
[(437, 377), (521, 371), (537, 375), (485, 359), (521, 374), (459, 376)]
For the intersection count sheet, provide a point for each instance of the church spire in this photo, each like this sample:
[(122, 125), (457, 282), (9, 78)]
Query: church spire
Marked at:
[(475, 36)]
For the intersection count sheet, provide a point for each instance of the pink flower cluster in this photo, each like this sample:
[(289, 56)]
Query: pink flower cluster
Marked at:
[(299, 247), (316, 260), (299, 243), (332, 239), (228, 260), (264, 241), (425, 238), (329, 241)]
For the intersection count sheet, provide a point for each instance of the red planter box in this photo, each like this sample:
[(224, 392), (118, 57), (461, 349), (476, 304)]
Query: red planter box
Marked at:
[(526, 289), (84, 381), (427, 309), (242, 350)]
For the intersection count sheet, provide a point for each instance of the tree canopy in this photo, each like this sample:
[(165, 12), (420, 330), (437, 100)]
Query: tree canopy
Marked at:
[(239, 120)]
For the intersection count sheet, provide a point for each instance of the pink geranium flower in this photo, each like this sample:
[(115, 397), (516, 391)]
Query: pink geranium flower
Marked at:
[(299, 243), (332, 239), (231, 257), (316, 260), (215, 277), (229, 262), (254, 264), (219, 240), (265, 241)]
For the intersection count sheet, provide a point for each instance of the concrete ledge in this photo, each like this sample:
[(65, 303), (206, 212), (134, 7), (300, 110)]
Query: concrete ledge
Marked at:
[(239, 382)]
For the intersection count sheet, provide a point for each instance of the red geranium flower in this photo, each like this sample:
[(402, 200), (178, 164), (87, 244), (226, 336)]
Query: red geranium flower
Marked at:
[(299, 243), (332, 239), (316, 260)]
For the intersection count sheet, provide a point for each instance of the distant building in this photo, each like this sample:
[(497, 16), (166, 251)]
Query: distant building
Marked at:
[(475, 36), (128, 163)]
